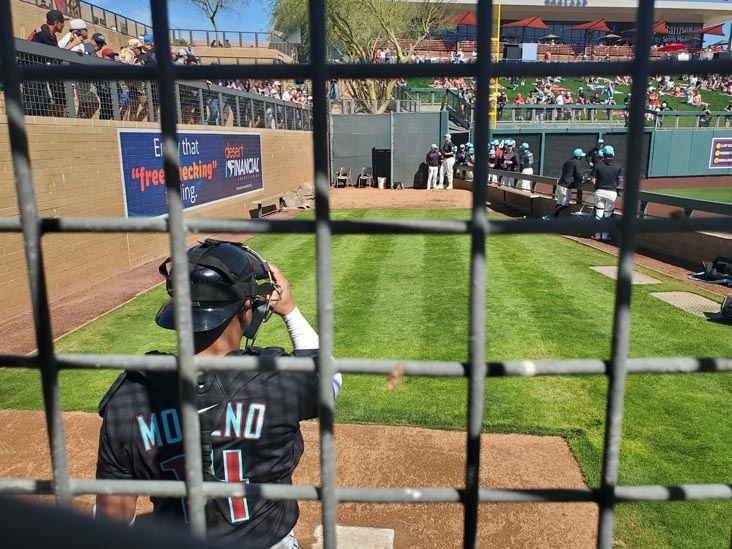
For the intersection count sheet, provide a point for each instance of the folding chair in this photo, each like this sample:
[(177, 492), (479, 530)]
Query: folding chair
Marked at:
[(366, 179), (344, 177)]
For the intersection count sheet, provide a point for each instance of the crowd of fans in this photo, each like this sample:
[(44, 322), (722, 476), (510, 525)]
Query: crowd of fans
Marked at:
[(136, 98)]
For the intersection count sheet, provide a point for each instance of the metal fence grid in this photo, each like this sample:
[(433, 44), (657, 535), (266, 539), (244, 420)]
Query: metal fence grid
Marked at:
[(606, 496)]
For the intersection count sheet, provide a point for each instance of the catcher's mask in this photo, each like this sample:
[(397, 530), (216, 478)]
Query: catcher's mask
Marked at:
[(223, 275)]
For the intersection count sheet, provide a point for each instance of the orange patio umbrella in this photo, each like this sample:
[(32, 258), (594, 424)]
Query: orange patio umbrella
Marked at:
[(466, 18), (535, 22), (596, 25), (714, 29)]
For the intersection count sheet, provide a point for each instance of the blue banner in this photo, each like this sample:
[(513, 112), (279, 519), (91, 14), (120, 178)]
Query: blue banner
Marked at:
[(213, 167), (721, 156)]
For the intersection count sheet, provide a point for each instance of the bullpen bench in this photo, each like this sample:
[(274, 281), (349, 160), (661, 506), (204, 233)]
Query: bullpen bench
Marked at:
[(269, 205)]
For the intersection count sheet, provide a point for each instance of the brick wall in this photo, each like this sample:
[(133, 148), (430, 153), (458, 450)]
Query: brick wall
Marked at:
[(76, 173)]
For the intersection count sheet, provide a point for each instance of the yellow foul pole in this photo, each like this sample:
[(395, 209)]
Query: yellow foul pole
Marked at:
[(495, 58)]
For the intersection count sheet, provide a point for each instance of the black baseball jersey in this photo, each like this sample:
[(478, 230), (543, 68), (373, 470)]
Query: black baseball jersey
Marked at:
[(593, 156), (433, 158), (525, 160), (509, 160), (571, 174), (250, 432), (608, 175), (448, 149)]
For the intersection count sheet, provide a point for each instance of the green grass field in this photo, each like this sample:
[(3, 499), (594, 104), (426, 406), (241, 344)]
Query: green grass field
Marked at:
[(407, 297), (713, 194)]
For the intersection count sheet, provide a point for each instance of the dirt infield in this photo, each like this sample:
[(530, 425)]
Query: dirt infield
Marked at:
[(366, 455), (374, 456)]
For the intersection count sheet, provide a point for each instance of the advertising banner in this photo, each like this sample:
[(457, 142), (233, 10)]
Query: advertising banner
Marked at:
[(721, 156), (213, 167)]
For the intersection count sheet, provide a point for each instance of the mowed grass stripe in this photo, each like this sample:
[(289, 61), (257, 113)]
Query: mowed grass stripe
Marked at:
[(676, 427)]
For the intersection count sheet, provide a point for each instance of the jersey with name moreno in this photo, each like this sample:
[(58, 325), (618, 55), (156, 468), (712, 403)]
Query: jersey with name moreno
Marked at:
[(250, 432)]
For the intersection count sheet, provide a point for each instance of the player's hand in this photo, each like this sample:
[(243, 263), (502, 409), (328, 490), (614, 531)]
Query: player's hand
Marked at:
[(282, 293)]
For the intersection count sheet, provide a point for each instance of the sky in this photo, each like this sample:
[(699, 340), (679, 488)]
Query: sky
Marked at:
[(253, 16)]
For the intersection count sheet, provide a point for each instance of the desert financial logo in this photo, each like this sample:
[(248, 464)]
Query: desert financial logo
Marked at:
[(239, 165), (213, 166)]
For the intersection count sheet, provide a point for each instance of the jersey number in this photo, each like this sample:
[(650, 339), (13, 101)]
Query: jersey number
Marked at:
[(233, 472)]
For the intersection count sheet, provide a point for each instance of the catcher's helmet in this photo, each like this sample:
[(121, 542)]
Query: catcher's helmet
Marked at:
[(223, 275)]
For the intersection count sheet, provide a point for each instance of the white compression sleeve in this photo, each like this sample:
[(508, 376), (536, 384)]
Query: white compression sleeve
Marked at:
[(303, 336), (301, 333)]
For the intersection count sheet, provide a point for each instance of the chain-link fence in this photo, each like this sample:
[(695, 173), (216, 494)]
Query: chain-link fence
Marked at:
[(199, 107)]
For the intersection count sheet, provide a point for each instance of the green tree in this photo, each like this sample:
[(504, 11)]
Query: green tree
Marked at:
[(212, 8), (357, 28)]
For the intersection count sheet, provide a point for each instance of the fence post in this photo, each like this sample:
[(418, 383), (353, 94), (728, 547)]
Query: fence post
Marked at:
[(69, 95), (114, 91)]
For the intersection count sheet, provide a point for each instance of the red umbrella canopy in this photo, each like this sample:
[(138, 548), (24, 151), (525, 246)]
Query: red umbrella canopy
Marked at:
[(659, 27), (674, 46), (596, 25), (529, 23), (466, 18)]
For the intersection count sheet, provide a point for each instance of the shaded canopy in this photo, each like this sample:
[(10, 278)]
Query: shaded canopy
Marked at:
[(528, 23), (550, 37), (610, 36), (659, 27), (714, 29), (466, 18), (596, 25)]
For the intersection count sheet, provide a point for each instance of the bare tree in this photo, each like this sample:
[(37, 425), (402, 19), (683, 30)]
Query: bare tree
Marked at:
[(212, 8), (358, 28)]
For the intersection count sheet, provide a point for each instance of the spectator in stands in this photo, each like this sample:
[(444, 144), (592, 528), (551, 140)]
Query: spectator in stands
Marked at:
[(502, 100), (36, 96), (518, 100), (95, 45), (333, 89), (227, 44), (387, 55), (42, 4), (137, 89), (78, 29), (104, 90)]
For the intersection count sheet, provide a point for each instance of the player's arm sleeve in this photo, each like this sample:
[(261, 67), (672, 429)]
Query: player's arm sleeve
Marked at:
[(304, 337)]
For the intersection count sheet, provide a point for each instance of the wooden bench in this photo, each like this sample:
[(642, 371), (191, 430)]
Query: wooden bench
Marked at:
[(264, 209)]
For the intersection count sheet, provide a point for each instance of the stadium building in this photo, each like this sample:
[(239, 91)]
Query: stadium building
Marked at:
[(679, 16)]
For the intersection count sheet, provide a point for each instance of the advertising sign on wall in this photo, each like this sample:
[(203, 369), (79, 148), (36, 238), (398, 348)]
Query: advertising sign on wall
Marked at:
[(721, 156), (213, 167)]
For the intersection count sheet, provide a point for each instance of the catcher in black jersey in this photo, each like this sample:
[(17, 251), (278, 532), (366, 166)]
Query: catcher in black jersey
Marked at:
[(250, 421)]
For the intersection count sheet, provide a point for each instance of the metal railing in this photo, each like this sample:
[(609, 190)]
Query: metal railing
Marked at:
[(183, 37), (139, 100), (607, 495), (463, 113), (233, 39), (105, 18)]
